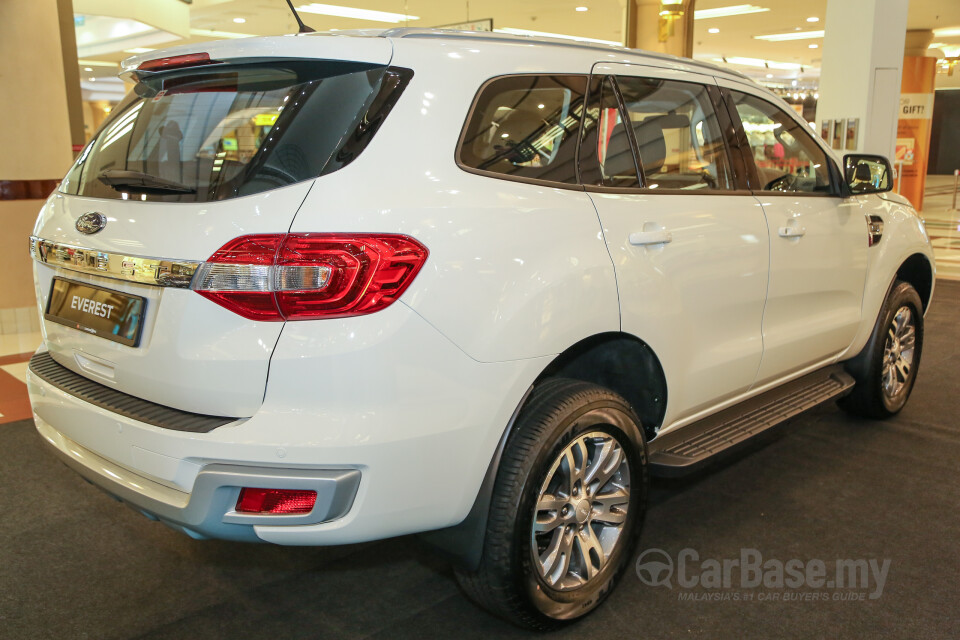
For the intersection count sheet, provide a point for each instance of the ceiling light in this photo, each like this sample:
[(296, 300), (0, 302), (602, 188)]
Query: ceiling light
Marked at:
[(239, 20), (97, 63), (949, 32), (723, 12), (92, 79), (358, 14), (803, 96), (582, 8), (213, 33), (813, 46), (713, 30), (813, 19), (769, 75), (816, 96), (757, 62), (138, 50), (88, 68), (528, 32), (798, 35)]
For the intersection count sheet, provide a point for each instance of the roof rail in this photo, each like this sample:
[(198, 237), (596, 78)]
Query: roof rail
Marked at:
[(416, 32)]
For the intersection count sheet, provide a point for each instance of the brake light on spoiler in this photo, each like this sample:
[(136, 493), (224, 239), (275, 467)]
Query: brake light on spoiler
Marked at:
[(305, 276), (175, 62)]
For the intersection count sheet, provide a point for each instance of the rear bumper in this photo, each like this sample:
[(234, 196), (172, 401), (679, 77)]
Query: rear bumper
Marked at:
[(208, 510), (384, 399)]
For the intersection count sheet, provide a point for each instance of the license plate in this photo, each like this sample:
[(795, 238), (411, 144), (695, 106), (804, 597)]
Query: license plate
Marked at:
[(101, 312)]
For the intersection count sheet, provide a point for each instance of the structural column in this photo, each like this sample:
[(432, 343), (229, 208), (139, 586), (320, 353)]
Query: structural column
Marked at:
[(664, 26), (38, 148), (860, 72)]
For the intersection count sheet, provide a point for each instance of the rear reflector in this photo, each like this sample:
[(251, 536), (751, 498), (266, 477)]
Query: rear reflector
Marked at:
[(276, 501), (310, 275), (173, 62)]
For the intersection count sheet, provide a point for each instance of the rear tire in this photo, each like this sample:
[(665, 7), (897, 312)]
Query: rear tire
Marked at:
[(887, 367), (566, 510)]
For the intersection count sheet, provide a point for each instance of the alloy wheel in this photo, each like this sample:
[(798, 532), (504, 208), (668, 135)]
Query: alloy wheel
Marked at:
[(898, 352), (580, 511)]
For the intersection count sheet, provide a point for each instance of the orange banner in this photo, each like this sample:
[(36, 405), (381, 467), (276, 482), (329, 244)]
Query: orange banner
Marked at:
[(914, 125)]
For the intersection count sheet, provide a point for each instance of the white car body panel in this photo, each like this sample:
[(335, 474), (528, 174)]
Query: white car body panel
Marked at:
[(417, 396), (193, 355)]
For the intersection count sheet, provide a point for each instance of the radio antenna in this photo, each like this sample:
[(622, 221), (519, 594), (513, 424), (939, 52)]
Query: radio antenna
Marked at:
[(303, 28)]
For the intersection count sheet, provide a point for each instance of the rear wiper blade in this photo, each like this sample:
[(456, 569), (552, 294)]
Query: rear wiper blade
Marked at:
[(138, 181)]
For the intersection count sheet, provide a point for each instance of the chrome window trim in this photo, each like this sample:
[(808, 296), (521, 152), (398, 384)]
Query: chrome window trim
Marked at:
[(159, 272)]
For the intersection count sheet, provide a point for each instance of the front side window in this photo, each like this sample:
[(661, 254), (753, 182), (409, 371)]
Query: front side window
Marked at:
[(678, 135), (227, 130), (785, 154), (526, 127)]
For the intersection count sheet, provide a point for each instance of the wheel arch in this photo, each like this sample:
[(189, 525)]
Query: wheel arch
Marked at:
[(617, 361), (622, 363), (918, 271)]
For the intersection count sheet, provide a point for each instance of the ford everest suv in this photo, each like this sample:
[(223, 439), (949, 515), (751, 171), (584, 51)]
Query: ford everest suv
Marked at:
[(330, 288)]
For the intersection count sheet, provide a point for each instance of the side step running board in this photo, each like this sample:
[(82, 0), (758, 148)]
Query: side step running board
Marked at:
[(688, 448)]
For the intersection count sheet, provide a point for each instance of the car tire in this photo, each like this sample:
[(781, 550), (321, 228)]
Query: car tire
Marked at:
[(574, 465), (887, 367)]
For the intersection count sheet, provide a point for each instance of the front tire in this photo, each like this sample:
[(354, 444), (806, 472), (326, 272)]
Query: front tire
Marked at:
[(566, 510), (887, 367)]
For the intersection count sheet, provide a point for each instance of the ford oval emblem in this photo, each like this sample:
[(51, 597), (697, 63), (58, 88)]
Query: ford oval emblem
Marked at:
[(91, 222)]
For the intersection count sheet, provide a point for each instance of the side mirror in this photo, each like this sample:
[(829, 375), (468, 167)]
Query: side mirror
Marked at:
[(867, 174)]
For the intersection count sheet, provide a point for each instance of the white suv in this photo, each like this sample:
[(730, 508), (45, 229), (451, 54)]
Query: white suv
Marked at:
[(322, 289)]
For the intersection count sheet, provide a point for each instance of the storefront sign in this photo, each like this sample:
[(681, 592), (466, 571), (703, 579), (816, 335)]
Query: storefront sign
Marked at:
[(916, 106)]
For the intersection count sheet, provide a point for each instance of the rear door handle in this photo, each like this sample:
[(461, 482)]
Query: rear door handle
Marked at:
[(660, 236), (792, 232)]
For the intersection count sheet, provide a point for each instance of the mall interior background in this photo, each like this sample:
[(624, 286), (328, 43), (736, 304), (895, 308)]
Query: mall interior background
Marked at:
[(869, 75)]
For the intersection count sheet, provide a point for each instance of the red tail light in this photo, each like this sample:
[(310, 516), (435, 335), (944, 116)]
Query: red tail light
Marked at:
[(172, 62), (310, 275), (276, 501)]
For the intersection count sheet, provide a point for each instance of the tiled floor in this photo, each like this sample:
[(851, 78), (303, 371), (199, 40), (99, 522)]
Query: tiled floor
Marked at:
[(943, 225), (15, 351)]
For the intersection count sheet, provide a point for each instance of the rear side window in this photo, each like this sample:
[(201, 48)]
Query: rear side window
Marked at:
[(526, 127), (678, 135), (227, 130)]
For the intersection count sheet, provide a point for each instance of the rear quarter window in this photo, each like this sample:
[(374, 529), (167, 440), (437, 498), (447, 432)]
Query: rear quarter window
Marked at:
[(525, 127)]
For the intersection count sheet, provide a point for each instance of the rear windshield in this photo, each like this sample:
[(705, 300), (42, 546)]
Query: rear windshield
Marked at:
[(228, 130)]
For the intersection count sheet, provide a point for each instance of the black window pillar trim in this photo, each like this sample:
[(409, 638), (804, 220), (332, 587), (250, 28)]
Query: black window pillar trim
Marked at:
[(631, 135), (740, 140), (733, 139)]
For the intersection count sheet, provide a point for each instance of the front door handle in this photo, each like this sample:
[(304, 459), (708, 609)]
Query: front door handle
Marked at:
[(658, 236), (792, 232)]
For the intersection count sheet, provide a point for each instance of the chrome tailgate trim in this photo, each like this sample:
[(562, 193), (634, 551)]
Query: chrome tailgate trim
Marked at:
[(158, 272)]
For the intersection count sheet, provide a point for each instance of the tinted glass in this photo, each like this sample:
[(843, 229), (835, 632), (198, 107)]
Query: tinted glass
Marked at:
[(606, 158), (221, 131), (785, 153), (678, 135), (526, 126)]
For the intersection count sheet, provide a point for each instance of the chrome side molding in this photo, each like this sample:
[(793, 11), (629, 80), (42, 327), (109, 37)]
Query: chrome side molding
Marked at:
[(154, 271)]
